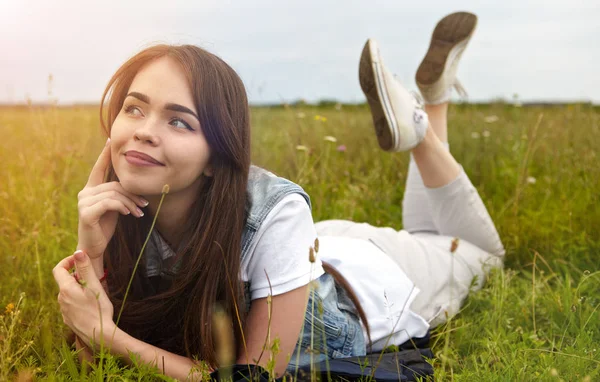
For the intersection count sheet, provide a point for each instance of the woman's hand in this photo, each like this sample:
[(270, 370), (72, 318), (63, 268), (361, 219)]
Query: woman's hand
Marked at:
[(84, 305), (87, 310), (100, 205)]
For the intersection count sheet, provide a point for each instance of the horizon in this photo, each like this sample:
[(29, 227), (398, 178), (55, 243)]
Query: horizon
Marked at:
[(333, 103)]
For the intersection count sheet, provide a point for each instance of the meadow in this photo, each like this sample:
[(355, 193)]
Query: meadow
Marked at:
[(536, 168)]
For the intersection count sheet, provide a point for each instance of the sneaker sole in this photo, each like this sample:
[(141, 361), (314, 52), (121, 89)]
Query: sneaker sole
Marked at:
[(372, 84), (449, 32)]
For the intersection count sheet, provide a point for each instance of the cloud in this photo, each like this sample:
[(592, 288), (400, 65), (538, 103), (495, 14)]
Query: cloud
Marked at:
[(301, 49)]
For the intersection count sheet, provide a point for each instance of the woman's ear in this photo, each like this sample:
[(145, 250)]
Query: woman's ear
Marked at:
[(208, 171)]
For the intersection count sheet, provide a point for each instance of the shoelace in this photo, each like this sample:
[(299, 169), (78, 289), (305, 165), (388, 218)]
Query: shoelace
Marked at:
[(418, 99), (420, 102)]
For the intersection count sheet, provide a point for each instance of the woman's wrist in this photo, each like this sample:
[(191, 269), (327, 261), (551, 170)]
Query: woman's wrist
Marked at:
[(98, 265), (120, 343), (171, 364), (97, 261), (114, 338)]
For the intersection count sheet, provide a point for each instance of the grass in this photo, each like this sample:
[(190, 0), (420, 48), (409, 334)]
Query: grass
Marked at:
[(537, 170)]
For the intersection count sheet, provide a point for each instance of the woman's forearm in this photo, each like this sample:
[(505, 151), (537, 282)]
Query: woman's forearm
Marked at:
[(98, 266), (172, 365)]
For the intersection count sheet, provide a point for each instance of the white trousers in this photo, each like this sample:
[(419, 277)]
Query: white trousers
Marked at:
[(432, 219)]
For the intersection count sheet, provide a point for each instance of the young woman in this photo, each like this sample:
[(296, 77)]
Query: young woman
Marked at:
[(233, 235)]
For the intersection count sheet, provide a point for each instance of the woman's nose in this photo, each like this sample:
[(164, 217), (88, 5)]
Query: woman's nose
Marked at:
[(148, 132)]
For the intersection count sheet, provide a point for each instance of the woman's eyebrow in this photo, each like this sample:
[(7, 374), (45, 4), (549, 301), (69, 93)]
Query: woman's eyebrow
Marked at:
[(142, 97), (170, 106), (180, 108)]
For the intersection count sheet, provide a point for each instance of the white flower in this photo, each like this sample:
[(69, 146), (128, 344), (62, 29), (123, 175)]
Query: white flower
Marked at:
[(531, 180), (475, 135), (301, 148), (330, 138), (491, 118), (300, 115), (486, 134)]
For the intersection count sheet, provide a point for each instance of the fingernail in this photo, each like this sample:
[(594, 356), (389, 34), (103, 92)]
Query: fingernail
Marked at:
[(144, 202), (78, 255), (140, 212), (107, 141)]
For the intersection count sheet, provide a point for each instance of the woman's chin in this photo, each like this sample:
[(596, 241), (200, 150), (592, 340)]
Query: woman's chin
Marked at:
[(139, 187)]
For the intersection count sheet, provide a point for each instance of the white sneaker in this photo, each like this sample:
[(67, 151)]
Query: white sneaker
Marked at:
[(399, 120), (437, 73)]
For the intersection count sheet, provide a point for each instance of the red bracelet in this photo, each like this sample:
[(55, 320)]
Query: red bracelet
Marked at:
[(103, 278)]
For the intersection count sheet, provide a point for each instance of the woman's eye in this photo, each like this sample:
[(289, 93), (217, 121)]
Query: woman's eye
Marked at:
[(180, 123), (133, 110)]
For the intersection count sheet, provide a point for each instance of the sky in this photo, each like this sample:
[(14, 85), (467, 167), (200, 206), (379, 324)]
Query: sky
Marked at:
[(285, 50)]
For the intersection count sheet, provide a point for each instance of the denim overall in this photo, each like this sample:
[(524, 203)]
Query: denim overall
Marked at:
[(331, 326)]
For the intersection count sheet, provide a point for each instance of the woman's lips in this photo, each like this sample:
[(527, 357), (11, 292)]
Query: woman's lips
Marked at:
[(140, 162)]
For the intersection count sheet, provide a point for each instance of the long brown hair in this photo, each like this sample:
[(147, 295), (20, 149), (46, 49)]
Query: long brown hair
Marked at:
[(178, 317)]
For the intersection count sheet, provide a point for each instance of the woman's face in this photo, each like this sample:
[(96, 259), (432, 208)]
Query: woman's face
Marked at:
[(159, 119)]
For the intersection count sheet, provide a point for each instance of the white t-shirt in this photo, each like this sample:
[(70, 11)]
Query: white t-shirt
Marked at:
[(281, 250)]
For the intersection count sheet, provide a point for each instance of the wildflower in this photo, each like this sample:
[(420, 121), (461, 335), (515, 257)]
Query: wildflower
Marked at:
[(10, 308), (341, 148), (475, 135), (300, 115), (320, 118), (311, 255), (330, 138), (491, 119), (301, 148), (486, 134), (554, 372), (531, 180), (338, 106)]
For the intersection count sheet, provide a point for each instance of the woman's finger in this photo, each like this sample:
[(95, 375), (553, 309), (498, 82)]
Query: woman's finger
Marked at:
[(92, 214), (66, 263), (61, 273), (85, 270), (130, 204), (112, 186), (97, 174)]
